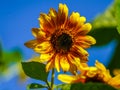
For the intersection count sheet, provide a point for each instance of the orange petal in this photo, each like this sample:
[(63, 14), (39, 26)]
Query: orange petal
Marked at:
[(88, 39), (37, 32), (64, 63), (31, 43), (73, 68), (43, 47), (54, 17), (45, 23), (49, 65)]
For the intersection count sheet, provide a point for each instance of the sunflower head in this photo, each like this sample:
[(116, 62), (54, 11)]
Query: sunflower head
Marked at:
[(61, 40)]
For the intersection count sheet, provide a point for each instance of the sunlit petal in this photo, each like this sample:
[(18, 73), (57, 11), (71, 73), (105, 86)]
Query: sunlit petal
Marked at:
[(44, 47), (67, 78), (64, 63), (57, 62)]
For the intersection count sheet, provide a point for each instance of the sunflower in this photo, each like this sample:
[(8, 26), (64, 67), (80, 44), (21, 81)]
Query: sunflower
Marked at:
[(61, 40), (93, 74)]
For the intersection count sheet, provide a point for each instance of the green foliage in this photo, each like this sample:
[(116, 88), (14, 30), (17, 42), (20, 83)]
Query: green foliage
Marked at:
[(105, 19), (104, 27), (115, 62), (117, 3), (35, 70), (63, 87), (104, 35), (35, 86), (9, 57), (91, 86)]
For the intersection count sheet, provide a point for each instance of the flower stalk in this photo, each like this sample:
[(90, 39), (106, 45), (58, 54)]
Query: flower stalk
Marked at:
[(52, 79)]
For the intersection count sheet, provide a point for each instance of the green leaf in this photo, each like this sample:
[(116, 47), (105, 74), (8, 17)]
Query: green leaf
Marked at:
[(35, 70), (91, 86), (35, 86), (104, 35), (115, 61), (117, 13)]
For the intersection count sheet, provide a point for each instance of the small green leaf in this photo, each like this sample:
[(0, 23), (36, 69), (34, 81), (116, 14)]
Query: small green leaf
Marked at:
[(91, 86), (35, 70), (35, 86)]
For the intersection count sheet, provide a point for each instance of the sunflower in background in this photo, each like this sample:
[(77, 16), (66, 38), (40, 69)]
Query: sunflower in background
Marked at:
[(97, 73), (61, 40)]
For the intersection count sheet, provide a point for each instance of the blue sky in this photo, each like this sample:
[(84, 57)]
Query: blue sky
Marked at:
[(17, 17)]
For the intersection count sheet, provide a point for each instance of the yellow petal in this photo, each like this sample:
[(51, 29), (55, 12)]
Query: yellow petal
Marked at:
[(74, 17), (82, 20), (83, 44), (43, 47), (35, 58), (37, 32), (67, 78), (57, 62), (31, 43), (46, 57), (49, 65), (100, 66), (92, 71), (62, 13), (115, 81), (88, 39), (85, 29), (76, 22), (106, 75), (81, 51), (64, 63)]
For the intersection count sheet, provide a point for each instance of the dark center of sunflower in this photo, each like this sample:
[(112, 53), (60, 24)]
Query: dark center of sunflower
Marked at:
[(61, 43), (94, 79)]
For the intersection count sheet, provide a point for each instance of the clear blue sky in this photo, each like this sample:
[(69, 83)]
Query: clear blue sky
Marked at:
[(17, 17)]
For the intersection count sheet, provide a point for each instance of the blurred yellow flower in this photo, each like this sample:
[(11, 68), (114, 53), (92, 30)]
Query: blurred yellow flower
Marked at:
[(92, 74), (61, 40)]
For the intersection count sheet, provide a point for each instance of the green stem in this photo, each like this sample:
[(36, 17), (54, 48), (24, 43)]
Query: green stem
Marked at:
[(48, 85), (52, 79)]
